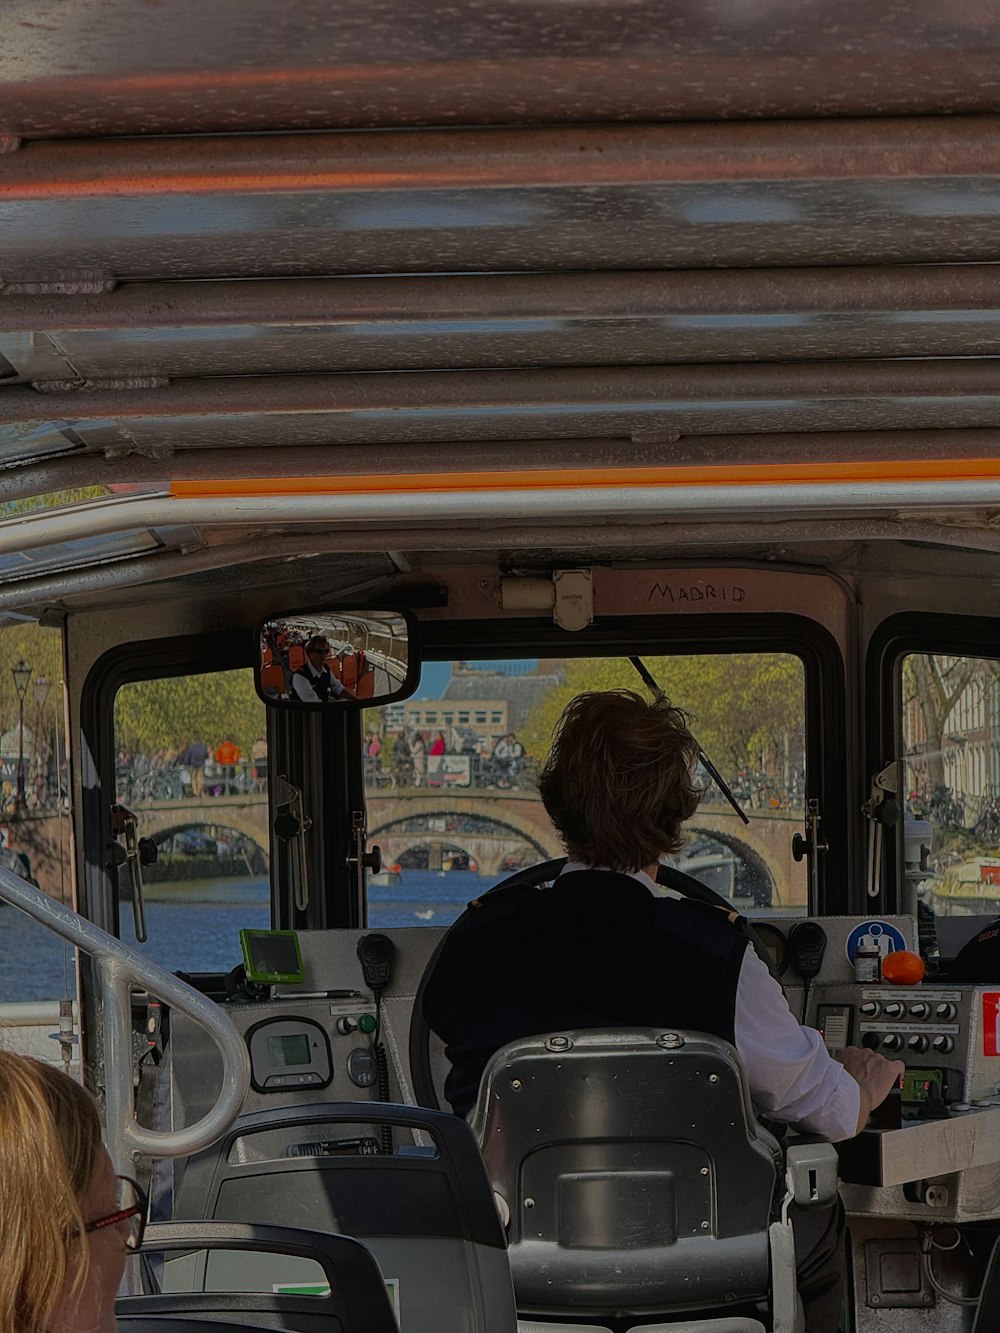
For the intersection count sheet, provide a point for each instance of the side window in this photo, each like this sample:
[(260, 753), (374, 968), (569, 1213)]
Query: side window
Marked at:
[(950, 716), (450, 777), (191, 762), (35, 965)]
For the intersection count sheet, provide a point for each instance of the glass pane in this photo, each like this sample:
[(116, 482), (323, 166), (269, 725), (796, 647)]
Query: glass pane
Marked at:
[(36, 966), (450, 776), (951, 755), (191, 762)]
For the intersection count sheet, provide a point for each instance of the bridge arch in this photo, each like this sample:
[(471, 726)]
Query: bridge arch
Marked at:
[(491, 841), (760, 873)]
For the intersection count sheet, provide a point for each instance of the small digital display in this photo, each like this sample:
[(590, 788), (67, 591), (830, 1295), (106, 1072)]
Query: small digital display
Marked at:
[(285, 1051), (917, 1085), (272, 955)]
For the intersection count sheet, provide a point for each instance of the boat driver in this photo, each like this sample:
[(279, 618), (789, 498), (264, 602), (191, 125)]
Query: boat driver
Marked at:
[(605, 946), (314, 682)]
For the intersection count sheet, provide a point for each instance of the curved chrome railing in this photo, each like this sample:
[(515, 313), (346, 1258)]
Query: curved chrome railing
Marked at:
[(121, 969)]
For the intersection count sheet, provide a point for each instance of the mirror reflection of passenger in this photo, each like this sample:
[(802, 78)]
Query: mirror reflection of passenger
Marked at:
[(605, 946), (313, 682)]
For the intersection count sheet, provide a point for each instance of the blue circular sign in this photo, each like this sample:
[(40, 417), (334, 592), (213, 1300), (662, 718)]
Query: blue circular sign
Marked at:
[(887, 938)]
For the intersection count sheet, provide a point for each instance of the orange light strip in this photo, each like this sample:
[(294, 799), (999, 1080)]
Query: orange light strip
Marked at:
[(736, 474)]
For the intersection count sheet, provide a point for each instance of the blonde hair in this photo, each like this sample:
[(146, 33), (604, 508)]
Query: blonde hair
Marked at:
[(618, 782), (50, 1140)]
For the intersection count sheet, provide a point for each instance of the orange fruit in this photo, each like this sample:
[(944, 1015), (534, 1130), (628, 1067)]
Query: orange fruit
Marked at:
[(903, 968)]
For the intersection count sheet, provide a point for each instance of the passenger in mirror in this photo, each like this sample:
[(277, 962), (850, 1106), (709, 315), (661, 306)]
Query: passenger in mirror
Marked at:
[(314, 681), (365, 657)]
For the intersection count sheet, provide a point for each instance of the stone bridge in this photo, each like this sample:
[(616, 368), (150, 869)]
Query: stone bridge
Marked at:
[(246, 814), (506, 824), (501, 825), (521, 827)]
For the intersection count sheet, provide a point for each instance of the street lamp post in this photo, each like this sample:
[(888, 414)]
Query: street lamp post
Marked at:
[(42, 687), (21, 674)]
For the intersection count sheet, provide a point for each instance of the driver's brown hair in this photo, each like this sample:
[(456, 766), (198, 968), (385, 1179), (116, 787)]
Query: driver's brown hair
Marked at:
[(619, 780)]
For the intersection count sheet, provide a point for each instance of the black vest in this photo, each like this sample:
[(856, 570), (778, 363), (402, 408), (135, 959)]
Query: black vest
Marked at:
[(595, 949), (322, 684)]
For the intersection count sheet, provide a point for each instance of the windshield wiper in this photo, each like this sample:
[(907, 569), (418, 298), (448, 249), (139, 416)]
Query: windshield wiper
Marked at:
[(706, 763)]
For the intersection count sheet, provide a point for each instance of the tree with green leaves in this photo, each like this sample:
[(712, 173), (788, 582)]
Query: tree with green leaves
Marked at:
[(748, 709), (167, 714)]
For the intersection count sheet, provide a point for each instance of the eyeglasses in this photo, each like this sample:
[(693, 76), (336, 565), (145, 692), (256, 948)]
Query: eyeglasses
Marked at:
[(129, 1216)]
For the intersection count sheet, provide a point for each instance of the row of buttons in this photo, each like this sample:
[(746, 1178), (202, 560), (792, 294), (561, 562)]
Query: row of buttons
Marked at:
[(292, 1080), (944, 1013), (894, 1041)]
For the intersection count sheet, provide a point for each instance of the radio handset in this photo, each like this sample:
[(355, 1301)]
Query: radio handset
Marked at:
[(807, 945), (376, 954)]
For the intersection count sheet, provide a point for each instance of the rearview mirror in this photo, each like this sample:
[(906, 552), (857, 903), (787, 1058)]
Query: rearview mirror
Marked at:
[(311, 659)]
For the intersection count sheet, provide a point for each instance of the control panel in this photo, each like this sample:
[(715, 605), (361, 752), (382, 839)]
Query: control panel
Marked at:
[(309, 1048), (944, 1034), (933, 1148), (921, 1027)]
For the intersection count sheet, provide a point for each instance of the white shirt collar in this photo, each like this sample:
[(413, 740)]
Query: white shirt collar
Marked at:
[(650, 884)]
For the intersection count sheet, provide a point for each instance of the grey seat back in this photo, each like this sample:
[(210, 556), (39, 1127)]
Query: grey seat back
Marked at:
[(635, 1174), (426, 1211)]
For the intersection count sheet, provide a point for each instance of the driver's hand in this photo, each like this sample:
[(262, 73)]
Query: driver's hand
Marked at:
[(875, 1075)]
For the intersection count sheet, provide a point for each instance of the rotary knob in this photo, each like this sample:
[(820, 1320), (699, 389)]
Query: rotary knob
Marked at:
[(870, 1009), (892, 1041), (920, 1010), (917, 1043), (894, 1009), (945, 1012), (944, 1044), (871, 1040)]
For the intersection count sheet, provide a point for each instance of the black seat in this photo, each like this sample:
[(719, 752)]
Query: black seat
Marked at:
[(355, 1299)]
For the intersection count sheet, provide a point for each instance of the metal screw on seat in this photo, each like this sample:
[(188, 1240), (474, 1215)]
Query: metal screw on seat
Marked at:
[(558, 1044), (670, 1041)]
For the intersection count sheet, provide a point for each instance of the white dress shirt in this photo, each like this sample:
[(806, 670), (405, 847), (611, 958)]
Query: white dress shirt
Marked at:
[(304, 680), (792, 1075)]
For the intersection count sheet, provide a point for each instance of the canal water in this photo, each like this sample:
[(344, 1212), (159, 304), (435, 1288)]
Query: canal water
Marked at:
[(194, 927)]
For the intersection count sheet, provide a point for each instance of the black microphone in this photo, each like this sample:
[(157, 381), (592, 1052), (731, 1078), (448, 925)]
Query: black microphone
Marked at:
[(807, 942), (375, 953)]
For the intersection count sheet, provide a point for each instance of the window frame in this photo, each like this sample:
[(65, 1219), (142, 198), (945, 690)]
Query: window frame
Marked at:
[(823, 668), (894, 639)]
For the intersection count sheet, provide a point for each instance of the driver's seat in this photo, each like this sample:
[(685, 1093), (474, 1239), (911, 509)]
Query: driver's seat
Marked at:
[(636, 1184)]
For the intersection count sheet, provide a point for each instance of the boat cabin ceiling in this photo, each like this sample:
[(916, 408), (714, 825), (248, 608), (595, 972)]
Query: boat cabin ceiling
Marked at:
[(322, 296)]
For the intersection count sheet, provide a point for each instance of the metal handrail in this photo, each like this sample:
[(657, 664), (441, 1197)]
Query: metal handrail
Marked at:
[(119, 969)]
